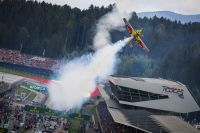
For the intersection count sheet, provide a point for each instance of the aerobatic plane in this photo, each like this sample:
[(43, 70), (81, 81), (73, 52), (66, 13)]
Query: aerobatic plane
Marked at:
[(136, 35)]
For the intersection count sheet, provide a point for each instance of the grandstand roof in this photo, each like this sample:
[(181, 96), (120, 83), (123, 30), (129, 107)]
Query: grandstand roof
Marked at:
[(143, 119), (174, 124), (174, 102), (139, 119), (119, 117)]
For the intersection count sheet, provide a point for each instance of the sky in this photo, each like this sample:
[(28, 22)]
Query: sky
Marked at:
[(178, 6)]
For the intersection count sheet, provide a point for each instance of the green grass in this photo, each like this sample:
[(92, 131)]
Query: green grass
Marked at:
[(31, 96), (22, 89), (74, 127), (17, 72), (7, 70)]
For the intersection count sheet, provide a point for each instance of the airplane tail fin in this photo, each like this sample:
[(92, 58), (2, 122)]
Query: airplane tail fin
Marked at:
[(130, 45), (125, 20)]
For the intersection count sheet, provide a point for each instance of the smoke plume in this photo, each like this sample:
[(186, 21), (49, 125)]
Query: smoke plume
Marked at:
[(79, 76), (108, 23)]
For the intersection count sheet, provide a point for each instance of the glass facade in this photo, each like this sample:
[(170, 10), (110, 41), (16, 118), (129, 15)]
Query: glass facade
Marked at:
[(133, 94)]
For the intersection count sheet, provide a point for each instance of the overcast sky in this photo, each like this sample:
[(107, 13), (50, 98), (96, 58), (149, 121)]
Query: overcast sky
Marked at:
[(178, 6)]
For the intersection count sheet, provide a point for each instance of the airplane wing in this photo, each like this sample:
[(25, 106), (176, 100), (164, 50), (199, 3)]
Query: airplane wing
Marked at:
[(129, 28), (139, 41)]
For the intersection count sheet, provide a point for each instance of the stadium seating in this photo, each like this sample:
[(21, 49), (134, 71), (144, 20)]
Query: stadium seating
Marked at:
[(18, 58)]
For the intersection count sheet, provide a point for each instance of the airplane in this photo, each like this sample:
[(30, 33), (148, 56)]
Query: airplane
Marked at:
[(136, 35)]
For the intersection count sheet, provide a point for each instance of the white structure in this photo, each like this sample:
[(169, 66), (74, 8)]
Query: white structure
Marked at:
[(157, 94)]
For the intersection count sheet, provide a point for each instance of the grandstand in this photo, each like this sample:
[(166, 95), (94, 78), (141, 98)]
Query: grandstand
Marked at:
[(16, 57), (4, 88), (15, 60), (134, 104)]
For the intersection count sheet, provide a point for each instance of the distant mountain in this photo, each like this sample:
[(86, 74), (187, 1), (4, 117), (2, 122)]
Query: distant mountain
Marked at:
[(171, 15)]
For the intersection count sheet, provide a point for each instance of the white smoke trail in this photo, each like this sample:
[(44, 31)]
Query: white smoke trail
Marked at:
[(107, 23), (78, 78)]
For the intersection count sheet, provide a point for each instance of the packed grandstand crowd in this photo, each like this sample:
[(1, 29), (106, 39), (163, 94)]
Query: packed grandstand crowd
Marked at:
[(16, 57), (15, 119), (46, 123), (32, 121), (5, 110), (3, 88)]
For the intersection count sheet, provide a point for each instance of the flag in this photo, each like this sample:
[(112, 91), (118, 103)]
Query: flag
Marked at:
[(43, 52), (21, 47)]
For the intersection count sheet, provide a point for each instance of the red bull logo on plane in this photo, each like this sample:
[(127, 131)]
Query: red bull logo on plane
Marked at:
[(176, 91)]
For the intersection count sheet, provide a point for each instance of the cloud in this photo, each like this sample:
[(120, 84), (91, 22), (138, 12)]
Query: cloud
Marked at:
[(179, 6)]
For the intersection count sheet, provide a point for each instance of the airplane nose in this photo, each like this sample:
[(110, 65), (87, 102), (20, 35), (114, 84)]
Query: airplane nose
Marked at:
[(124, 20)]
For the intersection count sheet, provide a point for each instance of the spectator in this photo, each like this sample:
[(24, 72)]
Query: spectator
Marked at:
[(15, 57)]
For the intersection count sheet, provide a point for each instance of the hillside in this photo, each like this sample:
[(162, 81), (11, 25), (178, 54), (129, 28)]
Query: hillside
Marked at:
[(172, 16), (32, 27)]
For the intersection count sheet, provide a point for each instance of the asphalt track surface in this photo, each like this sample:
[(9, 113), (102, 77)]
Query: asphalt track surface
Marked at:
[(10, 78)]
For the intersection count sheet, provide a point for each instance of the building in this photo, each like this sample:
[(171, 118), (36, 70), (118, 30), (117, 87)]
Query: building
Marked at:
[(158, 94), (148, 104)]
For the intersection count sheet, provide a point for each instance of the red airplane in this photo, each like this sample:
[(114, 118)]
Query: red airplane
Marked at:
[(136, 35)]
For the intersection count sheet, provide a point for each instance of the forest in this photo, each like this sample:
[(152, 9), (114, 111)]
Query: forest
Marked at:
[(31, 27)]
